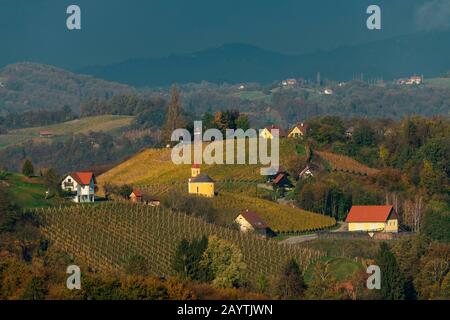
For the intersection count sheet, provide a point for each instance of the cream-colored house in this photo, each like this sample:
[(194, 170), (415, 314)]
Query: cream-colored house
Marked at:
[(372, 219), (298, 131), (251, 222)]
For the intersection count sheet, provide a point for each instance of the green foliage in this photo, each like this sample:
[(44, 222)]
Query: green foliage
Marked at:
[(436, 224), (187, 259), (392, 280), (27, 168), (291, 284), (35, 290), (224, 263)]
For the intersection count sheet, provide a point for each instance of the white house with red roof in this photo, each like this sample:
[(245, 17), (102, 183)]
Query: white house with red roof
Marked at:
[(372, 219), (81, 185)]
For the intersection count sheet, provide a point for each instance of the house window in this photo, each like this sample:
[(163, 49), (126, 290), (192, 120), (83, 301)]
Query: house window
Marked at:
[(197, 190)]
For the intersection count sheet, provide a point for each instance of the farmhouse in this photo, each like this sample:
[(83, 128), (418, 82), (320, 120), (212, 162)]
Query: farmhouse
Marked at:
[(137, 196), (372, 219), (268, 133), (282, 181), (415, 80), (251, 222), (306, 173), (45, 134), (298, 131), (81, 185), (200, 183)]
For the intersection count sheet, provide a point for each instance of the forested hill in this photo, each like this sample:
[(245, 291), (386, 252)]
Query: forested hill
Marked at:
[(31, 86)]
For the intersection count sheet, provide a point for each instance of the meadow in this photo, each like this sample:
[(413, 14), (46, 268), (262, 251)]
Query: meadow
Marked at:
[(105, 123)]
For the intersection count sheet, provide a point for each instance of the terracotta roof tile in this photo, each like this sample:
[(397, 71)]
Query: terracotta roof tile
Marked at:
[(369, 213)]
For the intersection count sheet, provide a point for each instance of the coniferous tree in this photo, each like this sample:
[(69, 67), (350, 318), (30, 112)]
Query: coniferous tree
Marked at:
[(291, 283), (27, 168), (392, 279)]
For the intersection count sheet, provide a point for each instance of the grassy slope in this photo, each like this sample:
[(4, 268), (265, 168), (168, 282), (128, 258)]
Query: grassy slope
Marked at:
[(106, 123), (27, 192), (340, 162), (153, 171)]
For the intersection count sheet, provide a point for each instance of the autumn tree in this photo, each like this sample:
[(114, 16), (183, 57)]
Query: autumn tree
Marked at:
[(224, 262), (174, 119)]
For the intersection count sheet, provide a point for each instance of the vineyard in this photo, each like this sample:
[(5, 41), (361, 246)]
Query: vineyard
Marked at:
[(280, 218), (105, 236), (155, 166), (230, 203), (346, 164)]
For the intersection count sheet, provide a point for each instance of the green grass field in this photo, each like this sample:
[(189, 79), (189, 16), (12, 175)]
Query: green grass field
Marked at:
[(106, 123), (254, 96), (342, 269), (28, 193)]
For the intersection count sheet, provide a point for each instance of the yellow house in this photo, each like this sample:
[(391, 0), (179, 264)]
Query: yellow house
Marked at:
[(268, 134), (200, 183), (372, 219), (298, 131)]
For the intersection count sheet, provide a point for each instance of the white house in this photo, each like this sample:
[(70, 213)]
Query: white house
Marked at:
[(81, 185)]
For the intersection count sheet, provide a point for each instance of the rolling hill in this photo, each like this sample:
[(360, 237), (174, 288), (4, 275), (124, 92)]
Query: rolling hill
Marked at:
[(106, 123), (31, 86), (153, 171)]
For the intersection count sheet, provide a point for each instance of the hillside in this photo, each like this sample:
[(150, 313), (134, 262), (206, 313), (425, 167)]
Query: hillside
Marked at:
[(338, 162), (107, 123), (27, 192), (31, 86), (153, 171), (112, 233)]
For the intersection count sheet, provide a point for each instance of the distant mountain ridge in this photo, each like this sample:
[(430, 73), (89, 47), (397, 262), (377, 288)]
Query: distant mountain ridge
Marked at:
[(424, 53)]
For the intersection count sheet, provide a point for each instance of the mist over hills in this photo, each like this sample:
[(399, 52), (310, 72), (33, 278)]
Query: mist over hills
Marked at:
[(422, 53)]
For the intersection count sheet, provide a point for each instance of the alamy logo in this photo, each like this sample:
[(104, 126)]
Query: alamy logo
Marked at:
[(234, 145), (374, 280), (374, 20), (73, 22), (74, 280)]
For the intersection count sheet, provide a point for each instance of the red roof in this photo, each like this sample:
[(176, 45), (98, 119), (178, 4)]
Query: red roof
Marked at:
[(370, 213), (254, 219), (195, 166), (45, 133), (279, 178), (83, 178), (137, 193), (274, 127)]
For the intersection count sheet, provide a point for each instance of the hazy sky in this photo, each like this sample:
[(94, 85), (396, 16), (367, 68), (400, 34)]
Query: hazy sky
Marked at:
[(117, 30)]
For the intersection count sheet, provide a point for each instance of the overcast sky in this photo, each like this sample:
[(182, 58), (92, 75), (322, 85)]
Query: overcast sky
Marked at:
[(117, 30)]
